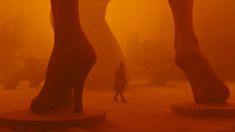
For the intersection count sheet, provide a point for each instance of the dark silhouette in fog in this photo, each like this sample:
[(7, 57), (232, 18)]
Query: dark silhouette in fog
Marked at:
[(206, 86), (71, 60), (150, 55), (120, 82), (33, 71), (11, 40), (134, 49)]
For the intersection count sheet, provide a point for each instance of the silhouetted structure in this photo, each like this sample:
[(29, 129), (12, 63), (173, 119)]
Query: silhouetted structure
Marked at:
[(71, 60), (73, 57), (217, 29), (33, 71), (133, 48), (11, 40), (120, 82), (160, 73), (149, 55), (206, 86), (106, 46)]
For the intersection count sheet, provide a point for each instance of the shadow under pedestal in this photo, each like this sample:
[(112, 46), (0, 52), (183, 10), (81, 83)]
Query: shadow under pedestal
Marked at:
[(204, 110), (25, 119)]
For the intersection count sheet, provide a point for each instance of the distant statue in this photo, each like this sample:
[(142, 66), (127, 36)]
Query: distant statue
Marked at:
[(33, 71), (149, 54), (73, 57), (11, 40), (133, 48), (120, 83)]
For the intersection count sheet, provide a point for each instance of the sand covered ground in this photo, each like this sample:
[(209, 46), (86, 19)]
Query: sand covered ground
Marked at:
[(147, 109)]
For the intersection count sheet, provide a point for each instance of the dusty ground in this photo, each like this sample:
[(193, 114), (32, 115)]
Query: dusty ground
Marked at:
[(147, 109)]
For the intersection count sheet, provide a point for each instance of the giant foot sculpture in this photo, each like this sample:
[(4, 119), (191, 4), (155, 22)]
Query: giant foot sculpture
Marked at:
[(71, 60), (67, 71), (206, 86)]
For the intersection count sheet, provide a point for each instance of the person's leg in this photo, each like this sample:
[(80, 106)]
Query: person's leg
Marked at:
[(206, 86), (71, 60), (115, 96), (122, 97)]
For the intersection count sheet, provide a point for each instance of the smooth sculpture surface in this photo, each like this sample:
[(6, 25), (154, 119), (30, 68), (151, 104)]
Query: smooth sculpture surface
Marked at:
[(70, 62), (107, 48), (206, 85)]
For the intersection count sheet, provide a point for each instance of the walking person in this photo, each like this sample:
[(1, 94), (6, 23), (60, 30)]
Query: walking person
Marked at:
[(120, 83)]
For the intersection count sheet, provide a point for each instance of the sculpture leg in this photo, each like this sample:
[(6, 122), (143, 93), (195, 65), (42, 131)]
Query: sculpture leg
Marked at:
[(71, 60), (206, 86)]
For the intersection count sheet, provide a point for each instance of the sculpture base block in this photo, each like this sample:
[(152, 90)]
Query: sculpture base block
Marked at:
[(25, 119), (204, 110)]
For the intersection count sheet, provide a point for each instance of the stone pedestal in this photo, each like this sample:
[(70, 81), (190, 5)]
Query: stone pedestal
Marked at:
[(204, 110), (26, 120)]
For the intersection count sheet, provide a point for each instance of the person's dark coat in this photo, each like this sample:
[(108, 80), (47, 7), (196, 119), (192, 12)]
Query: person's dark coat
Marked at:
[(120, 80)]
